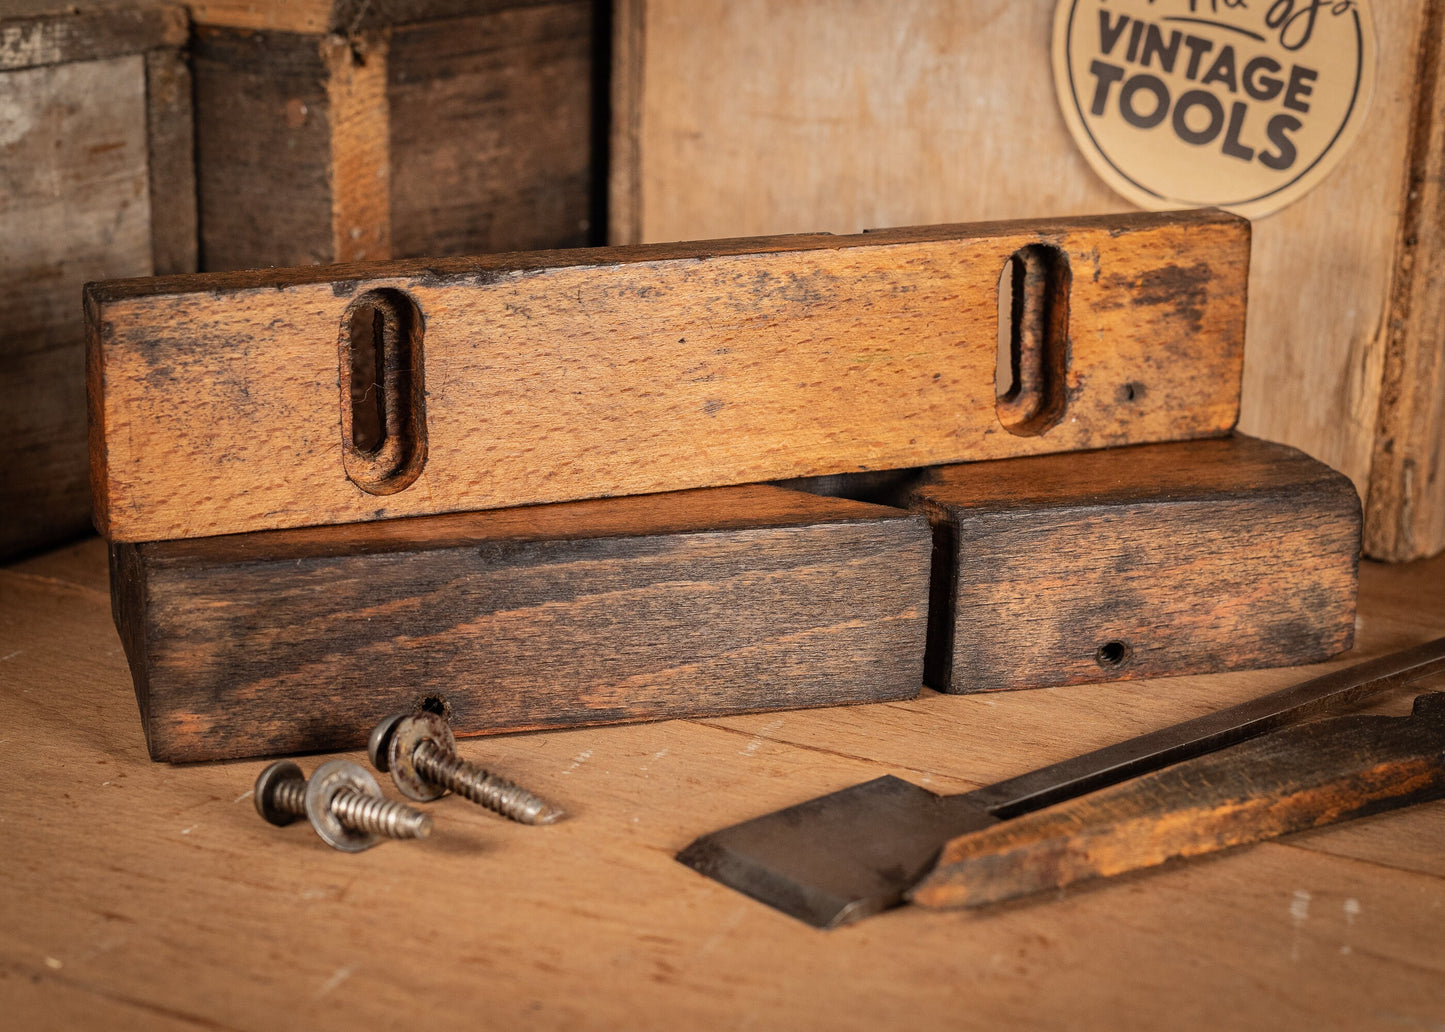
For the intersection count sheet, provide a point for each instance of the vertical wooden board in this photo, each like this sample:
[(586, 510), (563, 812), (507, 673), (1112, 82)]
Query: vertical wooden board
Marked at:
[(700, 603), (263, 138), (1405, 507), (563, 375), (624, 138), (491, 131), (171, 162), (1320, 287), (75, 206), (359, 165), (883, 113)]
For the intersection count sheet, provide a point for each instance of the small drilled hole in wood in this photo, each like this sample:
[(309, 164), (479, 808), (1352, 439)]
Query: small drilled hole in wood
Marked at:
[(1111, 654), (383, 403), (435, 704), (1031, 366), (1130, 392)]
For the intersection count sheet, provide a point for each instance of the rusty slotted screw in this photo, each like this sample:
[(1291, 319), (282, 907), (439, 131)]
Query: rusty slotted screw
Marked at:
[(342, 801), (420, 752)]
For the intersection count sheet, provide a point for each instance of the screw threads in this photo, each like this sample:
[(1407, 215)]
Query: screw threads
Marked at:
[(483, 787), (290, 797), (377, 816)]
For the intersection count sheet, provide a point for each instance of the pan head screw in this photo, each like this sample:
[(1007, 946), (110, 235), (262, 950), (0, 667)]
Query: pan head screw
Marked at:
[(379, 745), (278, 790)]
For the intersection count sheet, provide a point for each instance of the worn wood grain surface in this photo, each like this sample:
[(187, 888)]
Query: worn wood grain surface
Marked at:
[(170, 163), (492, 126), (95, 182), (360, 132), (561, 375), (702, 603), (339, 16), (1405, 505), (74, 206), (1190, 557), (749, 117), (1294, 779), (50, 32), (140, 895), (261, 119)]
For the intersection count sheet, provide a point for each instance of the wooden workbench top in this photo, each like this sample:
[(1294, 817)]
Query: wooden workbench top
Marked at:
[(137, 895)]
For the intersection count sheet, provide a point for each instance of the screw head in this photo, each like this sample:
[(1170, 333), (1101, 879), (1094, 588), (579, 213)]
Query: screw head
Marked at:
[(379, 745), (264, 794), (328, 780), (410, 731)]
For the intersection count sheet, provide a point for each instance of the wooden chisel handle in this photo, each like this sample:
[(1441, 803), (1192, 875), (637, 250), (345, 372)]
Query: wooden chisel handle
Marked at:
[(1289, 780)]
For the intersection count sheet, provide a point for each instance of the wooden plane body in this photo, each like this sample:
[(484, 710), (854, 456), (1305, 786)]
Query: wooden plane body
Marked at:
[(697, 603), (226, 403)]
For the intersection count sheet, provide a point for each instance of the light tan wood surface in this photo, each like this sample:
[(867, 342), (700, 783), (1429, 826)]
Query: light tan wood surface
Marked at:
[(137, 895), (742, 116), (560, 375)]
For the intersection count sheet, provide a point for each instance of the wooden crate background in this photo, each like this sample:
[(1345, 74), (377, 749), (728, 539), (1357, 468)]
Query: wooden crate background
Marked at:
[(337, 132), (740, 117), (96, 181)]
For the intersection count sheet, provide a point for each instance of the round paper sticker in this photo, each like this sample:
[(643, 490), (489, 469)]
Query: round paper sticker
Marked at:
[(1243, 104)]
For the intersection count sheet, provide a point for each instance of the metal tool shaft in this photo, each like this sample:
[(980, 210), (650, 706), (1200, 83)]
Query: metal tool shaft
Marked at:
[(1213, 731)]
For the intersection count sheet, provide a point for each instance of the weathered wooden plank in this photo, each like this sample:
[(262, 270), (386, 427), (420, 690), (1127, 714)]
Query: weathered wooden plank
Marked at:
[(1184, 558), (263, 138), (493, 115), (170, 163), (340, 16), (700, 603), (359, 132), (74, 207), (54, 33), (1405, 504), (562, 375)]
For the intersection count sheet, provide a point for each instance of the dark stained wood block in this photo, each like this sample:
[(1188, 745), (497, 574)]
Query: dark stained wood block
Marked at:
[(342, 132), (1147, 561), (689, 604), (95, 181)]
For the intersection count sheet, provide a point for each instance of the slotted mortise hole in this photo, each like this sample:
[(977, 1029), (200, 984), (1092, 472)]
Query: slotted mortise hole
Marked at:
[(1033, 347), (383, 413), (368, 398)]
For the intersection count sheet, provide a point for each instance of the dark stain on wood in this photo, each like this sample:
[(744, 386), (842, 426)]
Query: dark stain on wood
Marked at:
[(491, 131), (1196, 557), (699, 603), (262, 178)]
